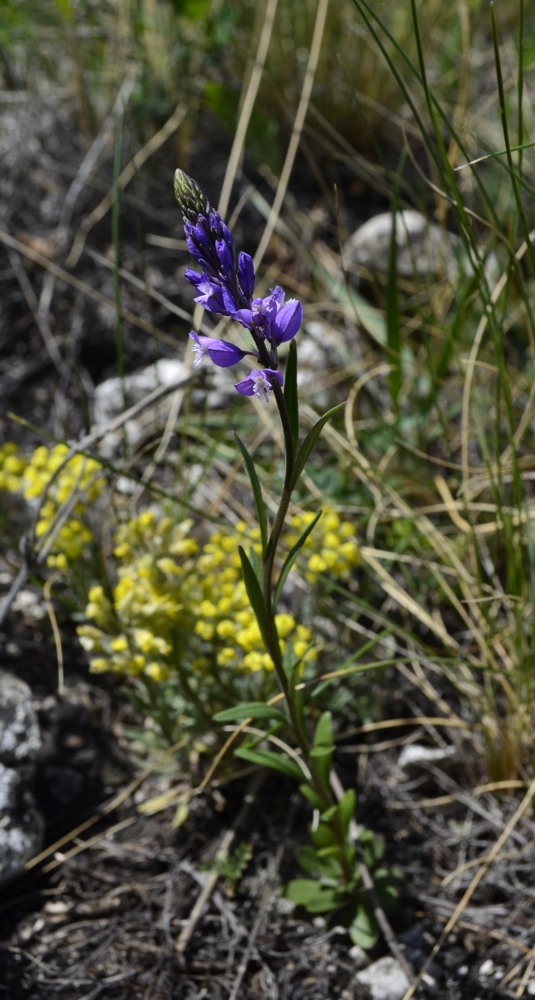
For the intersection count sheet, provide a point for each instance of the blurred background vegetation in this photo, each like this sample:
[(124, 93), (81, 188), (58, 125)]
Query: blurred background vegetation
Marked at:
[(435, 457)]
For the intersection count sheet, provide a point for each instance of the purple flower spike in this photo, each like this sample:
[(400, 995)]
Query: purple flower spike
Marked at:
[(220, 352), (287, 322), (259, 383), (246, 274), (226, 286)]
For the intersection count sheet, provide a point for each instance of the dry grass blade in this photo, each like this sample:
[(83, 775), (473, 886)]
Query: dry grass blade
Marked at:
[(108, 808), (306, 92), (40, 319), (485, 864), (87, 844), (247, 106), (125, 177), (54, 623), (470, 364), (212, 878), (85, 289)]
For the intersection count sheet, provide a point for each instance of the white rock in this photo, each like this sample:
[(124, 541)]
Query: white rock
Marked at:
[(385, 979), (423, 248), (530, 988), (359, 957), (110, 400), (109, 394), (28, 604), (21, 825), (487, 967), (284, 906), (20, 739), (413, 759)]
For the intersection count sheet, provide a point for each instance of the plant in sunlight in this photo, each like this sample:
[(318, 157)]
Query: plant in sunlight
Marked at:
[(225, 286)]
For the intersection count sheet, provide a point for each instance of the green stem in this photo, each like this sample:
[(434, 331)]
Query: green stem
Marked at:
[(271, 637)]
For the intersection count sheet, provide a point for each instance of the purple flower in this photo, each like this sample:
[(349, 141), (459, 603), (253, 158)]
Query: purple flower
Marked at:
[(259, 383), (210, 295), (226, 287), (246, 273), (211, 244), (287, 321), (220, 352)]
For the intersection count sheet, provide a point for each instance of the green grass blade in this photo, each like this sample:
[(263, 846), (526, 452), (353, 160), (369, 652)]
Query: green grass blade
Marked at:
[(291, 557), (266, 758), (257, 493), (393, 328), (310, 441), (290, 393), (505, 128), (254, 592), (250, 710)]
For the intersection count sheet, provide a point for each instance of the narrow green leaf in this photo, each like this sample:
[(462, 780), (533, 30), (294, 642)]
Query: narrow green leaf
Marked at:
[(256, 564), (290, 393), (292, 556), (320, 760), (323, 736), (257, 492), (323, 836), (254, 592), (373, 848), (309, 861), (363, 930), (250, 710), (273, 760), (310, 441), (308, 793), (313, 896), (346, 808)]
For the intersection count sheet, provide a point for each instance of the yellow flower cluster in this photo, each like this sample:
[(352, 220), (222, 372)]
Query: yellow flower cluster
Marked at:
[(12, 466), (76, 485), (177, 607), (331, 546), (225, 613)]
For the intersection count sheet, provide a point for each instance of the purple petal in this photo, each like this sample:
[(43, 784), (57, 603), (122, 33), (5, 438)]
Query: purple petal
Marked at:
[(228, 299), (215, 221), (259, 383), (246, 386), (193, 249), (225, 257), (245, 317), (273, 375), (287, 322), (227, 236), (220, 352), (200, 236), (210, 296), (194, 277), (246, 273)]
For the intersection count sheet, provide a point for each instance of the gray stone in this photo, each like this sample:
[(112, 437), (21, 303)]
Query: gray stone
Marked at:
[(359, 957), (20, 740), (385, 979), (414, 759), (21, 825), (109, 401), (423, 248)]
